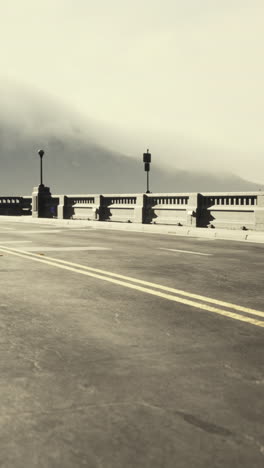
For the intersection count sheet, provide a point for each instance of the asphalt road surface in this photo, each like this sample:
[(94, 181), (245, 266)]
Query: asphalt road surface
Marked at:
[(122, 350)]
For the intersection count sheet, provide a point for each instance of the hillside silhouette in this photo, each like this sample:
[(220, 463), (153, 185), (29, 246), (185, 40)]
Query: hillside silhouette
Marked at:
[(76, 162)]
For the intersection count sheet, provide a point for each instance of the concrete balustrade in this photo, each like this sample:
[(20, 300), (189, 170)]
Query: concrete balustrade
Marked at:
[(167, 208), (122, 208), (15, 206), (234, 210), (79, 207)]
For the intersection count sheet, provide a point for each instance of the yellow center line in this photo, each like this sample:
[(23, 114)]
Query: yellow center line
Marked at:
[(217, 302), (53, 262)]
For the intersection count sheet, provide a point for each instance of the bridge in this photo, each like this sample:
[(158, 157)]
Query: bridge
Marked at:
[(130, 344), (234, 210)]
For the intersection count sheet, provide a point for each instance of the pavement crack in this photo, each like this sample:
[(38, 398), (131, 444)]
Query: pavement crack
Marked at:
[(206, 426), (153, 407), (72, 409)]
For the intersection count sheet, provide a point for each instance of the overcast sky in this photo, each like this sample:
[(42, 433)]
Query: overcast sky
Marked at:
[(184, 77)]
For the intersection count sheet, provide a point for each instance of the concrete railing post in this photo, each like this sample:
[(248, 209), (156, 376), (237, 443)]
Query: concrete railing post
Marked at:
[(35, 196), (40, 196), (61, 207), (139, 209), (259, 212), (192, 210), (98, 207)]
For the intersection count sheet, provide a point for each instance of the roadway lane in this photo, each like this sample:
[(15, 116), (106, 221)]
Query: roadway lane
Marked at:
[(99, 373)]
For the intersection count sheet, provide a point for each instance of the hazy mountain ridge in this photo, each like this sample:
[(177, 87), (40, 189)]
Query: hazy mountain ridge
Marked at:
[(71, 166), (76, 163)]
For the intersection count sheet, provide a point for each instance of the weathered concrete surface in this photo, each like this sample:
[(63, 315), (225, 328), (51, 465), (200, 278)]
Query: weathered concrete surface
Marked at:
[(100, 375)]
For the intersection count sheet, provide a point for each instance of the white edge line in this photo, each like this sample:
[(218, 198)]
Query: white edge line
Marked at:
[(16, 242), (64, 249), (186, 251)]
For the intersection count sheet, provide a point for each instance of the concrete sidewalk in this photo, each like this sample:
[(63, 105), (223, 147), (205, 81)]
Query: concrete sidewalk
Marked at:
[(226, 234)]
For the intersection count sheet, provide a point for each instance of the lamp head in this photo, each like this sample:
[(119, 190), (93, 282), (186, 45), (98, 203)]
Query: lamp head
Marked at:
[(41, 153)]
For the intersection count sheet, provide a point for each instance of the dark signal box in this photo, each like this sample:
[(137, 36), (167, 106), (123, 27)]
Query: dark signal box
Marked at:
[(147, 157), (147, 166)]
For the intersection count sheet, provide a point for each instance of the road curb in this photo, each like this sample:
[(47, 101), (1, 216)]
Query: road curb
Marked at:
[(217, 234)]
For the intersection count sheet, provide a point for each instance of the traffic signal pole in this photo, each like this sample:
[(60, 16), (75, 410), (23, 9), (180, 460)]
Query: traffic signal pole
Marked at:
[(147, 161)]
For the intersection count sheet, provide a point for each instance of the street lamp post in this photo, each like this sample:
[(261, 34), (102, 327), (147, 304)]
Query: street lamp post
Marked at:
[(41, 154), (147, 161), (42, 204)]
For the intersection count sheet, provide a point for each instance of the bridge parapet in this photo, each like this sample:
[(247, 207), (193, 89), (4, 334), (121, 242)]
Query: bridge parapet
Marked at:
[(168, 208), (15, 206), (233, 210), (128, 208), (156, 208), (79, 206)]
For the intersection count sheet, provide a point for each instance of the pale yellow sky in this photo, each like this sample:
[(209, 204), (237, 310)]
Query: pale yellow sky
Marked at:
[(184, 77)]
